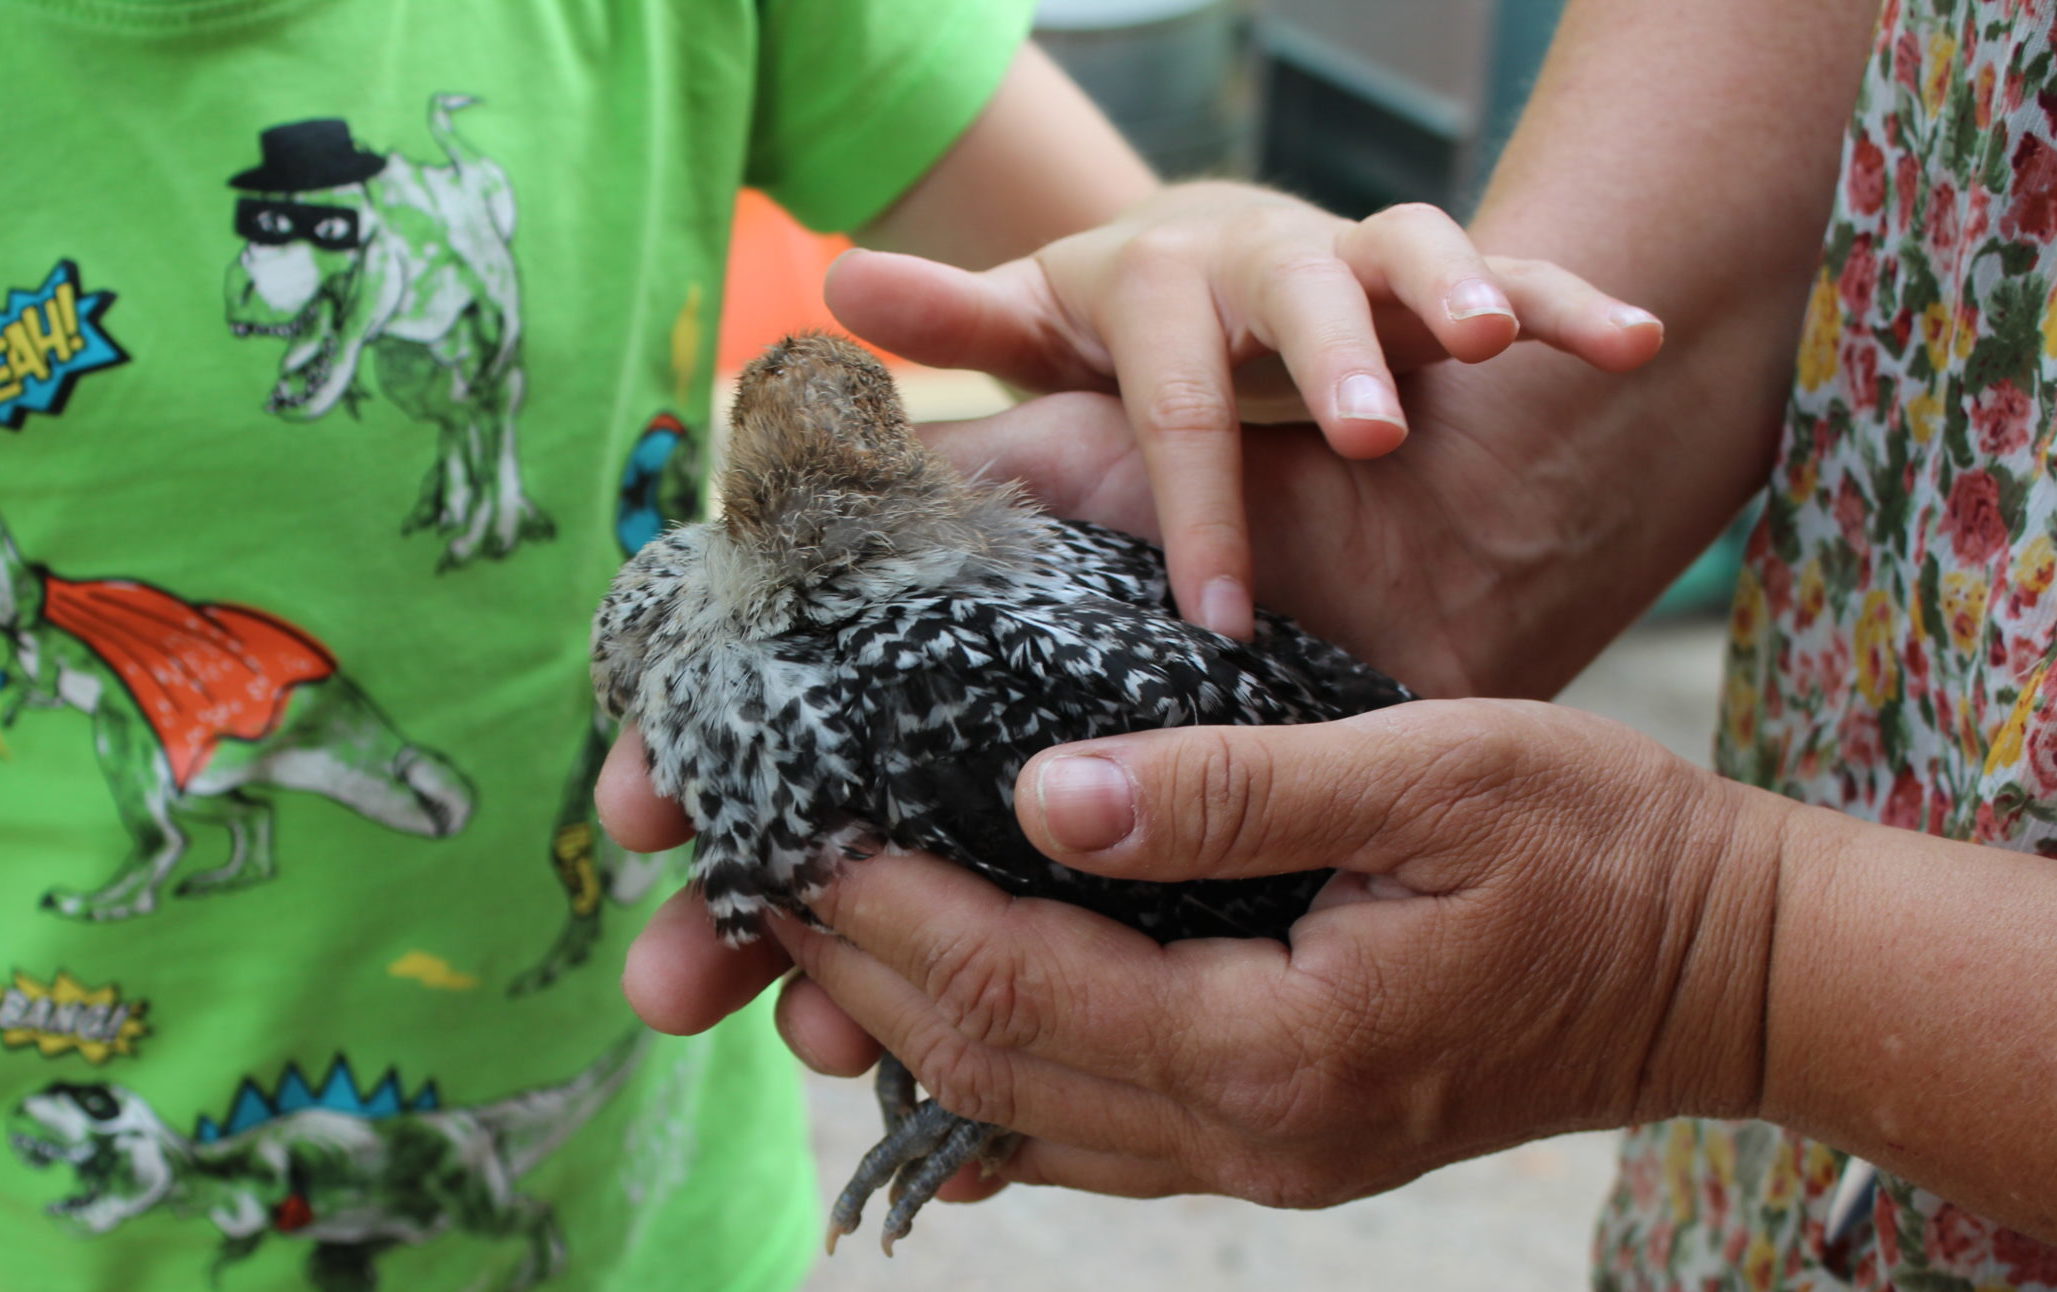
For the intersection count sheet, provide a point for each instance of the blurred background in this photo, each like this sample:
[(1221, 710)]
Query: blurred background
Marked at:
[(1355, 104)]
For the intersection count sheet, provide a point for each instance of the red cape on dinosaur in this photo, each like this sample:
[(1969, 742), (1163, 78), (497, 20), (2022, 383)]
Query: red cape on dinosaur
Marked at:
[(199, 672)]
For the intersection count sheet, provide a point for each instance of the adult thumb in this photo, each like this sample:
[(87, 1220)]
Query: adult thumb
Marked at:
[(1213, 802), (1002, 321)]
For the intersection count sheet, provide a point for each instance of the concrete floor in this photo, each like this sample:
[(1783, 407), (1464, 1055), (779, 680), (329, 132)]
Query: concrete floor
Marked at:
[(1518, 1221)]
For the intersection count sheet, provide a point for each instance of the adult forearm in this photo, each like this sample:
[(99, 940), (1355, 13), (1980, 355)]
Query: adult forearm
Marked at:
[(1912, 1014), (1682, 156)]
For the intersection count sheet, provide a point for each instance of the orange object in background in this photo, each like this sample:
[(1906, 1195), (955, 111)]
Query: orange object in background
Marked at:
[(774, 281)]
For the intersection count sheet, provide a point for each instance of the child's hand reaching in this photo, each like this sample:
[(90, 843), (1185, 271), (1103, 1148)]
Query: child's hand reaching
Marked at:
[(1184, 302)]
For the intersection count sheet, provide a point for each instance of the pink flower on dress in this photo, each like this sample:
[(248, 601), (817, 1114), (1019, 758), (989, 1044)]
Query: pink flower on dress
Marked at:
[(1886, 1221), (1714, 1202), (1860, 370), (1941, 224), (1939, 813), (1906, 187), (2041, 745), (2023, 653), (1903, 805), (1992, 826), (1867, 183), (1778, 588), (1858, 733), (1907, 62), (1853, 513), (2003, 415), (1958, 1240), (1973, 521), (1858, 283), (2027, 1260), (1738, 1242), (1903, 327), (1662, 1235), (2032, 214), (1981, 218)]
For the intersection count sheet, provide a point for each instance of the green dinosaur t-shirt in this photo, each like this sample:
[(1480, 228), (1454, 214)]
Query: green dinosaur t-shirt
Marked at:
[(346, 346)]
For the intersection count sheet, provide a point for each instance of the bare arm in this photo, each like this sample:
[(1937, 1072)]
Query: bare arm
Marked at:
[(1040, 162), (1682, 156), (1910, 1015)]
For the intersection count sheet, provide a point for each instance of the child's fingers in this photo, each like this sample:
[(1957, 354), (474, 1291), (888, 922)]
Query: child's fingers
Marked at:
[(631, 810), (1166, 341), (1566, 312), (1001, 321), (1314, 314), (1421, 257), (681, 978), (819, 1033)]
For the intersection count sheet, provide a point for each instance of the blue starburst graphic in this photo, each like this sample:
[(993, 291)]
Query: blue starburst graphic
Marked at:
[(49, 338)]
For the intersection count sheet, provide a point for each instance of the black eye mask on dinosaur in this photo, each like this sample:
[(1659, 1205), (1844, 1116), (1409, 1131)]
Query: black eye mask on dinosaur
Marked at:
[(94, 1101), (274, 224)]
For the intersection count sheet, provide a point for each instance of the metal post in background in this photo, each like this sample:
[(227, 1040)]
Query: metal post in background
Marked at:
[(1165, 71)]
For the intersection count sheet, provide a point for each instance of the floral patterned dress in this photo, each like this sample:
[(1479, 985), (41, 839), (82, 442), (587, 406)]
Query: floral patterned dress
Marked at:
[(1894, 630)]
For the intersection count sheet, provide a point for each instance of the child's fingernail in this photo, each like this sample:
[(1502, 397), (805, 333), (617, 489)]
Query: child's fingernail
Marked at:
[(1473, 297), (1088, 803), (1628, 316), (1364, 398), (1225, 607)]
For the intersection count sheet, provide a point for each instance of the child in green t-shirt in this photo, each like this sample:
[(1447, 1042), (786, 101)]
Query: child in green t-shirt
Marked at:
[(346, 347)]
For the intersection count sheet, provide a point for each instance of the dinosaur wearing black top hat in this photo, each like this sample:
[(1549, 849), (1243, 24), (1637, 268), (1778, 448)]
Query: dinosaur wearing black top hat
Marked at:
[(348, 253)]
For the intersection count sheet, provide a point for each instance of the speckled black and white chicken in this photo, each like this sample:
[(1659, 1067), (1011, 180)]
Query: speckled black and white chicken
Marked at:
[(865, 648)]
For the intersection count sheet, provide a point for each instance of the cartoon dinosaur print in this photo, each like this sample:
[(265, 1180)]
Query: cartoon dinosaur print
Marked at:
[(196, 708), (593, 869), (660, 484), (349, 254), (353, 1184)]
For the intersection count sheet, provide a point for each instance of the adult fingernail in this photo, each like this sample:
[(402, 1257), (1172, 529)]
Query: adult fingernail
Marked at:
[(1226, 608), (1364, 398), (1089, 803), (1628, 316), (1475, 296)]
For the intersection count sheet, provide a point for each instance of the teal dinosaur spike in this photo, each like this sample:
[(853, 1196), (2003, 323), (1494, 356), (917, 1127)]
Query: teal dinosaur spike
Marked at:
[(385, 1097), (293, 1093), (338, 1092)]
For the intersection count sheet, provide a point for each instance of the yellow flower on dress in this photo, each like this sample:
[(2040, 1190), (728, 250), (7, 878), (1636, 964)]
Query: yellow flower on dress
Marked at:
[(1760, 1263), (2050, 325), (1679, 1179), (1964, 334), (1784, 1183), (1739, 705), (1750, 613), (1938, 329), (1878, 666), (1964, 607), (2006, 747), (1806, 474), (1719, 1147), (1824, 329), (1824, 1168), (1942, 59), (1924, 414), (1813, 591), (1969, 738), (2036, 567)]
